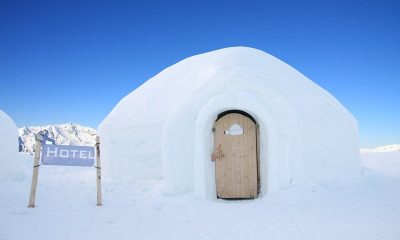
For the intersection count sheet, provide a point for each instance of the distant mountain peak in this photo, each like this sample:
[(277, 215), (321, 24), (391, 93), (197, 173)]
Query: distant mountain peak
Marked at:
[(386, 148), (62, 134)]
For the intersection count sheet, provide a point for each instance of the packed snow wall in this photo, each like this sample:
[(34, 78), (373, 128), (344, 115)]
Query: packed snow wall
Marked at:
[(8, 148), (163, 128)]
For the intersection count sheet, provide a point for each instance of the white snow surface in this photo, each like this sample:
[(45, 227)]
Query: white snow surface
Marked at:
[(385, 163), (137, 209), (8, 147), (162, 130)]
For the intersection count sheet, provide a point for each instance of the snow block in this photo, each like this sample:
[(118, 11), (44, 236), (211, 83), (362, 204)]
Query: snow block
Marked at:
[(8, 148)]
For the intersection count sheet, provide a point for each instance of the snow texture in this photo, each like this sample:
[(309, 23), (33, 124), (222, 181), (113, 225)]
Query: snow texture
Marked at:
[(163, 129), (8, 148), (66, 209), (385, 163)]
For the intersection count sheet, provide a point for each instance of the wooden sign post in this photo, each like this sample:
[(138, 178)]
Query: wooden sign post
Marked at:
[(64, 156), (39, 139), (98, 167)]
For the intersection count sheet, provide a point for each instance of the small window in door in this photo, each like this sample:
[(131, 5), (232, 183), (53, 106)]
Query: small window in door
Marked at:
[(234, 130)]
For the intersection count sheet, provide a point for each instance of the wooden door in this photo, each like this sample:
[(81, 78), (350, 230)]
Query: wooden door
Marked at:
[(235, 155)]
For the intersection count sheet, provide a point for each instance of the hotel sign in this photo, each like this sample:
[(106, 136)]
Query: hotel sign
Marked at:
[(67, 155)]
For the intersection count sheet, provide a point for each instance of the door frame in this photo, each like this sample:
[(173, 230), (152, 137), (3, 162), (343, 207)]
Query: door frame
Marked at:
[(249, 116)]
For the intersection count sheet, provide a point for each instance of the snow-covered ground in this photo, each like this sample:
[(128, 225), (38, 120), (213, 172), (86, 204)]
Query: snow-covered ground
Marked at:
[(66, 209)]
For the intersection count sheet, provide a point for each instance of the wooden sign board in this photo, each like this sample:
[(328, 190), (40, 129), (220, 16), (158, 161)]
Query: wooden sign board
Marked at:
[(67, 155)]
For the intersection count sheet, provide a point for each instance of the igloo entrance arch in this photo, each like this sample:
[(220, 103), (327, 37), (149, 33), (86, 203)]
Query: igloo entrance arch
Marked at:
[(187, 146), (275, 166)]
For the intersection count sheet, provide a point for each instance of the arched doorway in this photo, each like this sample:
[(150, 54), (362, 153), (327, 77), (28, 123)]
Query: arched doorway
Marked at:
[(236, 155)]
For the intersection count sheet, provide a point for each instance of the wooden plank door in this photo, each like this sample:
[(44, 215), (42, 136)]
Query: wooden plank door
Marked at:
[(235, 154)]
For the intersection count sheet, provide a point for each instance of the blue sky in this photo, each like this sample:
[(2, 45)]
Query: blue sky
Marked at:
[(72, 61)]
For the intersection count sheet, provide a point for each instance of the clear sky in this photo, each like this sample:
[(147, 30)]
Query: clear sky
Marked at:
[(72, 61)]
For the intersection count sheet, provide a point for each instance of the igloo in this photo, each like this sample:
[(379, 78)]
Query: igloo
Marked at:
[(231, 123), (8, 147)]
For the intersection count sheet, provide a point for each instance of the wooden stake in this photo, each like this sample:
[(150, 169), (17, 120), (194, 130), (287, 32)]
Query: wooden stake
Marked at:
[(98, 167), (35, 174)]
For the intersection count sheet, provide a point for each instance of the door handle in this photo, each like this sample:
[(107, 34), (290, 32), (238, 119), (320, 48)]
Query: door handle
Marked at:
[(217, 154)]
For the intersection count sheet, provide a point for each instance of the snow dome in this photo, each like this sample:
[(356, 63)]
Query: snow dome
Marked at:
[(232, 123), (8, 147)]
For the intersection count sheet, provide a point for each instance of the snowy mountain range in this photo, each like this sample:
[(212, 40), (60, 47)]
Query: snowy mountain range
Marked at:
[(63, 134), (386, 148)]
